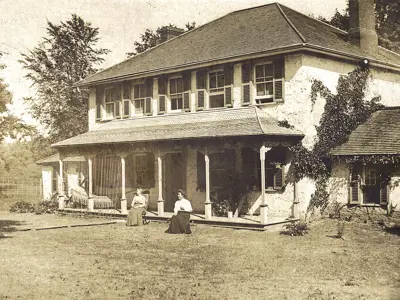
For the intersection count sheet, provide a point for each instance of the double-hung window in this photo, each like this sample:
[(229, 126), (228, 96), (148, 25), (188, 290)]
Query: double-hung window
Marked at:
[(112, 101), (176, 93), (139, 94), (140, 167), (216, 85), (269, 82)]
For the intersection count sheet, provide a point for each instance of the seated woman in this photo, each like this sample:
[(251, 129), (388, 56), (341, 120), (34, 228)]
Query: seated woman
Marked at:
[(135, 216), (180, 220)]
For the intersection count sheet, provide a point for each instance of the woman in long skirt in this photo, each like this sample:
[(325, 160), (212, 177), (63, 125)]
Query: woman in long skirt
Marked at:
[(180, 222), (135, 215)]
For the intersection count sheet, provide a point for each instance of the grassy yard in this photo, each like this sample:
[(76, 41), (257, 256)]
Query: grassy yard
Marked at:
[(117, 262)]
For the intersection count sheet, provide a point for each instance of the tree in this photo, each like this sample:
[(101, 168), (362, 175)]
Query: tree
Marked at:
[(10, 125), (387, 13), (150, 39), (68, 54)]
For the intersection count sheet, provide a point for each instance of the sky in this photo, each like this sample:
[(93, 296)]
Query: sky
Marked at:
[(120, 22)]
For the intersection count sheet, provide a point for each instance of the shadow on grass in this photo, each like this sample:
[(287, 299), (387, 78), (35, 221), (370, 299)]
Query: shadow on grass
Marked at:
[(395, 230), (9, 225)]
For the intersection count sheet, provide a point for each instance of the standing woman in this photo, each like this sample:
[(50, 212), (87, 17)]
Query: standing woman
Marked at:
[(138, 206), (180, 222)]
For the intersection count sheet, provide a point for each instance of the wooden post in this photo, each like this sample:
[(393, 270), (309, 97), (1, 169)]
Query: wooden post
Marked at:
[(160, 201), (263, 206), (295, 211), (61, 203), (208, 203), (124, 208), (90, 175)]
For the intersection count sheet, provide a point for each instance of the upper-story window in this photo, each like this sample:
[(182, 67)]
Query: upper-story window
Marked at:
[(112, 102), (216, 86), (139, 94), (269, 82), (176, 93)]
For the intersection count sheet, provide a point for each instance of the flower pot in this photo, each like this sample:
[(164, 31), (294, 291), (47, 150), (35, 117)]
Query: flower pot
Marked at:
[(230, 214)]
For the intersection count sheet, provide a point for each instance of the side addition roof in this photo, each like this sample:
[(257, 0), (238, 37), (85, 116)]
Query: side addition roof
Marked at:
[(246, 121), (268, 29), (379, 135)]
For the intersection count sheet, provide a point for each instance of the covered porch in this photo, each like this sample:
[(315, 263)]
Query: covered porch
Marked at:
[(230, 162)]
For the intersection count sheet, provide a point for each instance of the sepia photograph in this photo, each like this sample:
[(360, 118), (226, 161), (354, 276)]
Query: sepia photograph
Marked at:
[(200, 149)]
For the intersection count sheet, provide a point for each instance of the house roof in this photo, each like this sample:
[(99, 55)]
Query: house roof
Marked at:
[(267, 29), (234, 122), (379, 135), (56, 157)]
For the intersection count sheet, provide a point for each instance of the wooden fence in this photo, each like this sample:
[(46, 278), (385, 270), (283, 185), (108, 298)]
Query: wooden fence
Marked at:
[(18, 189)]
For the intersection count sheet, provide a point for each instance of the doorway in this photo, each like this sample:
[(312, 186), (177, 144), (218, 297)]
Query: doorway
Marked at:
[(174, 178)]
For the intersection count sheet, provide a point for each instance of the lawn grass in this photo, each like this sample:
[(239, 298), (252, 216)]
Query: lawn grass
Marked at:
[(119, 262)]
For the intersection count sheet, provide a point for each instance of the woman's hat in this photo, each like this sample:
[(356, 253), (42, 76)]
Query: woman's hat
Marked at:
[(182, 192)]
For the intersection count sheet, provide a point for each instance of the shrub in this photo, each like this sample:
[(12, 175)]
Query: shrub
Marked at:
[(22, 207), (46, 207), (299, 228)]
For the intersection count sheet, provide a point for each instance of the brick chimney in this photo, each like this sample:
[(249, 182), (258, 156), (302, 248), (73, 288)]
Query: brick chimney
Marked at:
[(362, 25), (169, 32)]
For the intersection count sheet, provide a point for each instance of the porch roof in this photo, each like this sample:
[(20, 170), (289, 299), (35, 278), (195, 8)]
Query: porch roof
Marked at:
[(56, 157), (379, 135), (245, 121)]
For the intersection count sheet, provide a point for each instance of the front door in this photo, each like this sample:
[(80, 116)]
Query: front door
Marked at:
[(372, 190), (174, 178)]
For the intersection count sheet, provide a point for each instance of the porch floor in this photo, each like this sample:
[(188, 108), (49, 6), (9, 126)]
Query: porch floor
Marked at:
[(241, 222)]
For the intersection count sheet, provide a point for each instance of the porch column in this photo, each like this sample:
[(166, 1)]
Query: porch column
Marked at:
[(208, 203), (61, 195), (160, 201), (90, 177), (124, 208), (264, 205), (295, 211)]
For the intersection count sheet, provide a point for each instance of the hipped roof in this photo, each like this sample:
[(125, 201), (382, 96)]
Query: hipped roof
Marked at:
[(268, 29), (218, 123), (379, 135)]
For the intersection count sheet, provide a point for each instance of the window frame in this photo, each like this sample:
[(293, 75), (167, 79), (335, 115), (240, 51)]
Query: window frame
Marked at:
[(219, 168), (144, 171), (178, 95), (258, 99), (111, 102), (218, 91), (142, 92)]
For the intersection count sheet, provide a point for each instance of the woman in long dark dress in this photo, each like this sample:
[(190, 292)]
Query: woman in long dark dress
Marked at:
[(180, 222), (138, 206)]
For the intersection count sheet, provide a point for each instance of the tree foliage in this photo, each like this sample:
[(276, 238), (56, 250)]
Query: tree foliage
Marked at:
[(150, 39), (387, 13), (66, 55), (10, 125)]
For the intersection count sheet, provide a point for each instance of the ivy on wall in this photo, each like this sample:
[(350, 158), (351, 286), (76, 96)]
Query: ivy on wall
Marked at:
[(343, 112)]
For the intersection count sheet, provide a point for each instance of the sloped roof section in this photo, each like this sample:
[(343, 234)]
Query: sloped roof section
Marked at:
[(322, 35), (263, 29), (56, 157), (379, 135), (247, 121)]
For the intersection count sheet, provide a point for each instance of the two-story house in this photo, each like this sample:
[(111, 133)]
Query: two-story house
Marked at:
[(207, 105)]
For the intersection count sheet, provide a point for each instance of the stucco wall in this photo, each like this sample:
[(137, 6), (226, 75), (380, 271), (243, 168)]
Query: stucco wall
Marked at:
[(338, 183)]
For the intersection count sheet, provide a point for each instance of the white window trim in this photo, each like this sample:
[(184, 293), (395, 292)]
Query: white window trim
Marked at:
[(169, 98), (139, 99), (254, 83), (107, 89)]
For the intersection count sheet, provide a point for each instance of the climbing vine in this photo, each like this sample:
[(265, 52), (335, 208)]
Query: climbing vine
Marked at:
[(343, 112)]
